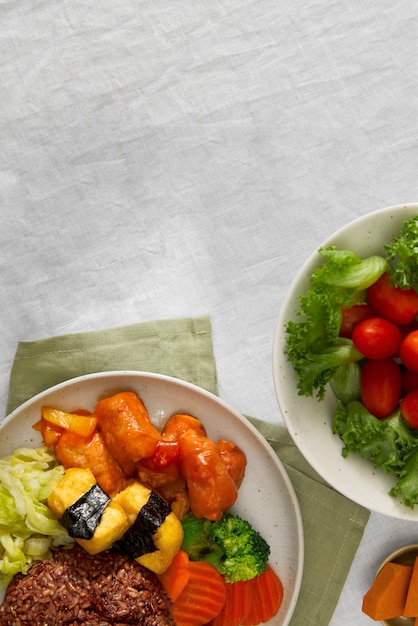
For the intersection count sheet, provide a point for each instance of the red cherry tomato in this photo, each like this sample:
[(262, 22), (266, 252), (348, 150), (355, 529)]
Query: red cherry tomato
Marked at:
[(400, 306), (409, 381), (352, 315), (377, 338), (381, 386), (408, 351), (409, 408), (166, 452)]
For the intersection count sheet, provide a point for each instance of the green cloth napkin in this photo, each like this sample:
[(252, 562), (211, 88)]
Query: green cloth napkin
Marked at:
[(333, 525)]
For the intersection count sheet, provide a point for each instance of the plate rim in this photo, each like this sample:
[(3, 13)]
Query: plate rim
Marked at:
[(153, 376)]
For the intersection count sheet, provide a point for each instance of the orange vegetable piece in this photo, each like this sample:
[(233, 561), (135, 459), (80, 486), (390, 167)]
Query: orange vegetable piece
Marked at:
[(211, 489), (267, 597), (176, 577), (50, 434), (82, 425), (162, 467), (180, 423), (234, 459), (386, 597), (91, 453), (127, 429), (411, 604), (238, 601), (202, 598)]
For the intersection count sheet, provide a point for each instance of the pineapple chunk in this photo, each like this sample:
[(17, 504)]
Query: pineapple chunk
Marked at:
[(83, 425)]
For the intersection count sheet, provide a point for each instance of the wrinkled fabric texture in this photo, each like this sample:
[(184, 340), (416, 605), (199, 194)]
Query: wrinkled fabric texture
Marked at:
[(333, 525), (177, 159), (167, 347)]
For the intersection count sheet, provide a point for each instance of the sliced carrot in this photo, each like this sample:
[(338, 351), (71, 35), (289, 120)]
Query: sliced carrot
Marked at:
[(267, 598), (202, 598), (237, 605), (176, 577)]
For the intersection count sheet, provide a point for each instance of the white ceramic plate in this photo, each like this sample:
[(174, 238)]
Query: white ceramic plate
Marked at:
[(266, 497), (309, 421)]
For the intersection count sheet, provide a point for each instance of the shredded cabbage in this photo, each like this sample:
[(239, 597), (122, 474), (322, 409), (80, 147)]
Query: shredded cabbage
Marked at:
[(28, 529)]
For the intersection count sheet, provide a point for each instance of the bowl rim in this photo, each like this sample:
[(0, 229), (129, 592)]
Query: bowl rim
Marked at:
[(397, 553)]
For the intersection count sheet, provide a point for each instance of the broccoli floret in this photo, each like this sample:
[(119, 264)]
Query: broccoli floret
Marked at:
[(196, 540), (231, 544)]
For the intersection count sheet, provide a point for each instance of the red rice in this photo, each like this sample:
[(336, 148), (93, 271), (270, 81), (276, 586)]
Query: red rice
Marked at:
[(74, 588)]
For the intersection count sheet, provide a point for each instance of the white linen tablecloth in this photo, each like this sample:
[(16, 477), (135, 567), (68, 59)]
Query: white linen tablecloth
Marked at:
[(169, 159)]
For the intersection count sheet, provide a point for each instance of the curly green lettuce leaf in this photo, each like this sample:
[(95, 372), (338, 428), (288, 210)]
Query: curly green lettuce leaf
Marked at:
[(407, 485), (315, 369), (387, 443), (346, 270), (313, 345), (28, 529), (402, 255)]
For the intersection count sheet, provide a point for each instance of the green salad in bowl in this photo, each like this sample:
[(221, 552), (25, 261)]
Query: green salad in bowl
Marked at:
[(346, 361)]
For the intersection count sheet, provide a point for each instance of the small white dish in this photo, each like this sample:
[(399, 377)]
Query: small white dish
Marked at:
[(406, 556)]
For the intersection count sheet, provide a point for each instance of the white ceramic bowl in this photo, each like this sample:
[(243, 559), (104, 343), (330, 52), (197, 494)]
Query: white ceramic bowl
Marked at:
[(405, 555), (307, 419), (266, 498)]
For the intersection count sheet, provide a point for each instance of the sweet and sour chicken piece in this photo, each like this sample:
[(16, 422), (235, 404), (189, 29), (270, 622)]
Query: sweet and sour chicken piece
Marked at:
[(211, 489), (91, 453), (128, 433)]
